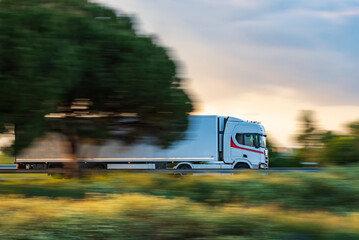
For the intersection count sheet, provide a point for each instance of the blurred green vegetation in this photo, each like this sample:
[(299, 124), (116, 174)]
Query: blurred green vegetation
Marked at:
[(332, 190), (6, 159), (85, 64), (248, 205), (318, 146), (280, 159)]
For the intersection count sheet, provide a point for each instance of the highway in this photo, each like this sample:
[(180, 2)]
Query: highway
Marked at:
[(12, 169)]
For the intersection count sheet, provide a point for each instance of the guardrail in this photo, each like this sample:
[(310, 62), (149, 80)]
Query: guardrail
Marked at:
[(7, 166)]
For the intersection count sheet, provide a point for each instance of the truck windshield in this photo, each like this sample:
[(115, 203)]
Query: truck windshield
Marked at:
[(262, 141)]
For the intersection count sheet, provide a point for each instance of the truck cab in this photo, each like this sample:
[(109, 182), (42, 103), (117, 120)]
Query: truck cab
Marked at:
[(241, 144), (244, 144)]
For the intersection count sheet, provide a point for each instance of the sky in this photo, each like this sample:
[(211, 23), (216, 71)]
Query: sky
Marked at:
[(261, 60)]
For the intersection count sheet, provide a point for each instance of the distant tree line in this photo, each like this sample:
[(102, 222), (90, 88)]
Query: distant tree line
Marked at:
[(319, 146)]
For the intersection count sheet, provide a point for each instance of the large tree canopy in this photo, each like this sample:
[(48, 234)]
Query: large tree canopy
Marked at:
[(87, 68)]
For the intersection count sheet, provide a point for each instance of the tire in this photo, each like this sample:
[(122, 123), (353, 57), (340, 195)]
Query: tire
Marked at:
[(57, 168), (184, 167), (242, 166), (95, 170)]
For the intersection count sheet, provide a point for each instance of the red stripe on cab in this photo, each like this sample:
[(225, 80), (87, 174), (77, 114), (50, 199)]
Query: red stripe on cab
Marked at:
[(233, 145)]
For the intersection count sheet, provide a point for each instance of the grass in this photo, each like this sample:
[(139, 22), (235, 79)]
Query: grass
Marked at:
[(27, 176), (138, 216), (333, 190), (6, 159), (249, 205)]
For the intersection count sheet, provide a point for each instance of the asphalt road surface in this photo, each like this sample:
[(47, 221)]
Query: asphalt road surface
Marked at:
[(12, 169)]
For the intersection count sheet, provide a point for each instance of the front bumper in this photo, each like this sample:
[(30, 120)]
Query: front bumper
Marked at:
[(263, 166)]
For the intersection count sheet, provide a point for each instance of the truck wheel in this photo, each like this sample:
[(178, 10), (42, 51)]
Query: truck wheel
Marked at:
[(241, 165), (56, 168), (184, 166)]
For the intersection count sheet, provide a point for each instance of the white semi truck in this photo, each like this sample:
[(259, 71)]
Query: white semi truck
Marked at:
[(210, 142)]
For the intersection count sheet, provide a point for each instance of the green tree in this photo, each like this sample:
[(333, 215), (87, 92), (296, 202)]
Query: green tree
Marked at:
[(343, 149), (89, 72), (327, 147), (310, 138), (354, 128)]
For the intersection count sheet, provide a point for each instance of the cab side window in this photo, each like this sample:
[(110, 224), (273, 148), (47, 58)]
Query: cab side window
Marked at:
[(249, 140), (239, 138)]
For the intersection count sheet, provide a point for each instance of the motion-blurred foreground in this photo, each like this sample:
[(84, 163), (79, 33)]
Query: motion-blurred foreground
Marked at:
[(321, 205)]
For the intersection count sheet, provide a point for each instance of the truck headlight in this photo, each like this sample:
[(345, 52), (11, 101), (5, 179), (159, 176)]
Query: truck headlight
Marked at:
[(262, 165)]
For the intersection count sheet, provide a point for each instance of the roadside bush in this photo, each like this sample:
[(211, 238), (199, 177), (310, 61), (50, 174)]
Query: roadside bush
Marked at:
[(285, 161), (6, 159), (332, 190), (138, 216)]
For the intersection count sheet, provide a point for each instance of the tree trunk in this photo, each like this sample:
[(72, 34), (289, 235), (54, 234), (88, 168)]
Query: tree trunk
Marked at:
[(70, 146)]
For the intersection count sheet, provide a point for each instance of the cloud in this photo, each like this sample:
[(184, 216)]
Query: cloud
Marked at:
[(339, 14), (260, 44), (335, 16), (260, 56)]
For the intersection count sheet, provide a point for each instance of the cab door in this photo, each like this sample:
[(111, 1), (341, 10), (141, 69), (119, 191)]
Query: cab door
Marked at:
[(244, 146)]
